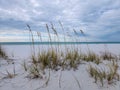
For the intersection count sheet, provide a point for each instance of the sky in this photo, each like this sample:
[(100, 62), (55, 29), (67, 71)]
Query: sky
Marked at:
[(98, 19)]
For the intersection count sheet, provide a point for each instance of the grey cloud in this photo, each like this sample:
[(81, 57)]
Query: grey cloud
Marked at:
[(93, 16)]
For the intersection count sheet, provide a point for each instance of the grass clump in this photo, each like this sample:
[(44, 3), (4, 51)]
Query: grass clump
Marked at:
[(49, 59), (71, 59), (107, 56), (25, 66), (97, 74), (2, 53), (35, 71), (101, 75), (10, 75), (44, 60), (91, 57), (113, 74), (34, 68)]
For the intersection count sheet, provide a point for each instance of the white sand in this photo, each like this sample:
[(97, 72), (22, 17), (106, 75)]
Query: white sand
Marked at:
[(19, 53)]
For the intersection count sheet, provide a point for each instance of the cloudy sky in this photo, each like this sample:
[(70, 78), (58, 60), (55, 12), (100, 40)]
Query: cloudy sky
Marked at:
[(99, 19)]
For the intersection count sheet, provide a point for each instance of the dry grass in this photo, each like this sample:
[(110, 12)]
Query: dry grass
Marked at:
[(10, 75), (2, 53), (111, 75), (49, 59), (97, 74), (55, 58), (91, 57), (25, 66), (108, 56), (35, 71), (71, 59)]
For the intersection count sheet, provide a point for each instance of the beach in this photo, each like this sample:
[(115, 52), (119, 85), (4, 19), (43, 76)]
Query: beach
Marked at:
[(78, 79), (59, 45)]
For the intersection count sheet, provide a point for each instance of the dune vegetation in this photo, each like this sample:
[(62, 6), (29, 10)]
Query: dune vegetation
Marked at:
[(2, 53), (102, 67), (56, 58)]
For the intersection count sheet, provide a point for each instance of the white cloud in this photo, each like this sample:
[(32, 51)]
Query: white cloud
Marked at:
[(35, 3), (16, 14), (96, 17), (26, 36)]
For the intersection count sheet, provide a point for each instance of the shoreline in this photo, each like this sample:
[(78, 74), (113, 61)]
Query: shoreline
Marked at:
[(54, 43)]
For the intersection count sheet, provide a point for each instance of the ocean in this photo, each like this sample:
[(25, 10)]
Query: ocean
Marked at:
[(54, 43)]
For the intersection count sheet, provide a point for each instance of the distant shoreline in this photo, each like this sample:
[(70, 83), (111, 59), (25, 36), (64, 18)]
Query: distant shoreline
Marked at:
[(54, 43)]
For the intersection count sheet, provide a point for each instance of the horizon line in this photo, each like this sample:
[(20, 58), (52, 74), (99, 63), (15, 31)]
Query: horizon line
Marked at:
[(95, 42)]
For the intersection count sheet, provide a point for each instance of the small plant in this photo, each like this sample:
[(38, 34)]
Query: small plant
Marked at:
[(25, 66), (91, 56), (10, 74), (71, 59), (2, 53), (113, 75), (49, 59), (35, 71), (97, 74), (107, 56), (101, 75), (34, 59), (43, 58)]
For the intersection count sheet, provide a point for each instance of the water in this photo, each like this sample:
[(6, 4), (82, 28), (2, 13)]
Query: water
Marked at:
[(54, 43)]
